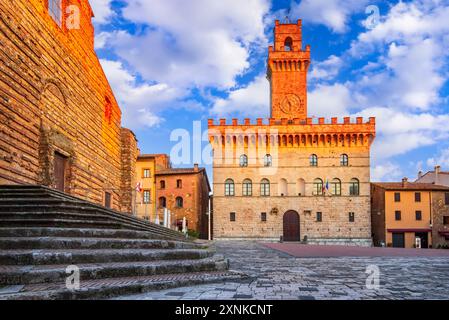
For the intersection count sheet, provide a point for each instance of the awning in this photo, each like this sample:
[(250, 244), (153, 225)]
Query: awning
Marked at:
[(416, 230)]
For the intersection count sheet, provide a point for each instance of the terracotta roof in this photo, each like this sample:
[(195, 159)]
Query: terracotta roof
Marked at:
[(178, 171), (150, 155), (410, 186)]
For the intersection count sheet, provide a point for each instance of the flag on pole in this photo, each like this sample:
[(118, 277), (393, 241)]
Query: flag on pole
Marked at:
[(327, 185), (139, 187)]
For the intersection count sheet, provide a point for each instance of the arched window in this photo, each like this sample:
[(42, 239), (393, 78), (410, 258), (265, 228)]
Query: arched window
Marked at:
[(288, 44), (162, 202), (354, 187), (179, 202), (283, 188), (313, 160), (336, 187), (229, 188), (301, 187), (243, 160), (318, 187), (268, 160), (344, 160), (265, 188), (247, 188), (162, 184)]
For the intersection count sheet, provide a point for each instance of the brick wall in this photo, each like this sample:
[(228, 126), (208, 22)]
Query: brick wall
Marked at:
[(54, 96)]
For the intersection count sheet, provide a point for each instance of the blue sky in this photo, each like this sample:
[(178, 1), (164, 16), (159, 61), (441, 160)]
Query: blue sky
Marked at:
[(174, 62)]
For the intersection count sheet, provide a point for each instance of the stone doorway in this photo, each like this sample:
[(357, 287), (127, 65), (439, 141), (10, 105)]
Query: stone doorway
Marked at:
[(291, 226), (60, 163)]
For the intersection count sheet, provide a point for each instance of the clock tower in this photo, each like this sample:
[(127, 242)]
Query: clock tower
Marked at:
[(287, 70)]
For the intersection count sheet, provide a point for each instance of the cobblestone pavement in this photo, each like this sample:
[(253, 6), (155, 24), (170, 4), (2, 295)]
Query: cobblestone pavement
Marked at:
[(276, 275)]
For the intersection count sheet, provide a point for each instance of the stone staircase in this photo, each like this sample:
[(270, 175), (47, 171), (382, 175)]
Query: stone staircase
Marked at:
[(43, 231)]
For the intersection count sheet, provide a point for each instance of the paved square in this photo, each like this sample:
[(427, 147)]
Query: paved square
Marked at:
[(274, 274)]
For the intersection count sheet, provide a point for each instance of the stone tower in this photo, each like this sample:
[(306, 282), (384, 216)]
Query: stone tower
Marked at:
[(287, 72)]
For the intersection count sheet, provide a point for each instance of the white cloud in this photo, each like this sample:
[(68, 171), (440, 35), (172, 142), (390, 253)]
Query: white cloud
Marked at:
[(335, 14), (327, 69), (140, 103), (442, 159), (399, 132), (192, 43), (251, 101), (386, 172), (329, 99), (102, 10)]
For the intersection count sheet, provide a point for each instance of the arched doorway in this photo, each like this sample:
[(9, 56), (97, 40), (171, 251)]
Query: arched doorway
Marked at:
[(291, 226)]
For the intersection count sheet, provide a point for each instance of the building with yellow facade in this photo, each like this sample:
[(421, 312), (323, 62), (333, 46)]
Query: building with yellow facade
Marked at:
[(403, 212)]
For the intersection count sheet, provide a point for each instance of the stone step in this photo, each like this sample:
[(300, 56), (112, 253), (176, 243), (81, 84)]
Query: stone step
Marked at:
[(76, 233), (70, 257), (69, 211), (22, 275), (91, 243), (68, 220), (63, 223), (109, 288)]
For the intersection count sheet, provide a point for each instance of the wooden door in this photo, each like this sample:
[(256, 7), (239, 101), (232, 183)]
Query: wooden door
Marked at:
[(291, 226), (398, 240), (59, 171), (107, 200)]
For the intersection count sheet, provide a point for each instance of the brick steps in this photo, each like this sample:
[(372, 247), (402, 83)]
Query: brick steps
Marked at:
[(108, 288), (43, 231), (58, 201), (91, 243), (20, 275), (75, 232), (70, 257)]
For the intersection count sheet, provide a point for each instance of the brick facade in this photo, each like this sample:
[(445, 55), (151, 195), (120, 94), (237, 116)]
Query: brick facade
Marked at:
[(55, 98), (290, 139), (192, 186)]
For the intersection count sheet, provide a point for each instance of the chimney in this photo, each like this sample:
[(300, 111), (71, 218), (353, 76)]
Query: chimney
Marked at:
[(404, 182), (437, 174), (195, 167), (419, 175)]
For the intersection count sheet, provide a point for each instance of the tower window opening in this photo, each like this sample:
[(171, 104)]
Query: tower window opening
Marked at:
[(288, 44)]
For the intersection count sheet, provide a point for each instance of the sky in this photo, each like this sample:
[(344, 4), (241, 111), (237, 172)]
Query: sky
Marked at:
[(172, 63)]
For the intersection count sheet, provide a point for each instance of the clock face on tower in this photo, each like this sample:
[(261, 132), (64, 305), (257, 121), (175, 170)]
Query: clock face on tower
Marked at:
[(292, 105)]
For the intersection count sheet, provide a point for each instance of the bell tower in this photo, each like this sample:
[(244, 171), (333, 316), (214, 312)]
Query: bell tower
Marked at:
[(287, 72)]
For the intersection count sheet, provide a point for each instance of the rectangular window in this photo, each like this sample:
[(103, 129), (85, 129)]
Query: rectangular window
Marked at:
[(263, 217), (446, 220), (351, 216), (446, 198), (397, 197), (418, 215), (146, 196), (179, 183), (417, 196), (397, 215), (232, 216), (146, 173), (55, 11), (319, 216)]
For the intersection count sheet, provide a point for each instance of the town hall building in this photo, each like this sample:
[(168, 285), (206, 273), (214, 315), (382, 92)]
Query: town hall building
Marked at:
[(292, 177)]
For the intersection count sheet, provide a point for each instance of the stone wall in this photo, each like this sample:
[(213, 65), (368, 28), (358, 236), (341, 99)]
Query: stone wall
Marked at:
[(292, 164), (439, 211), (129, 153), (54, 96)]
